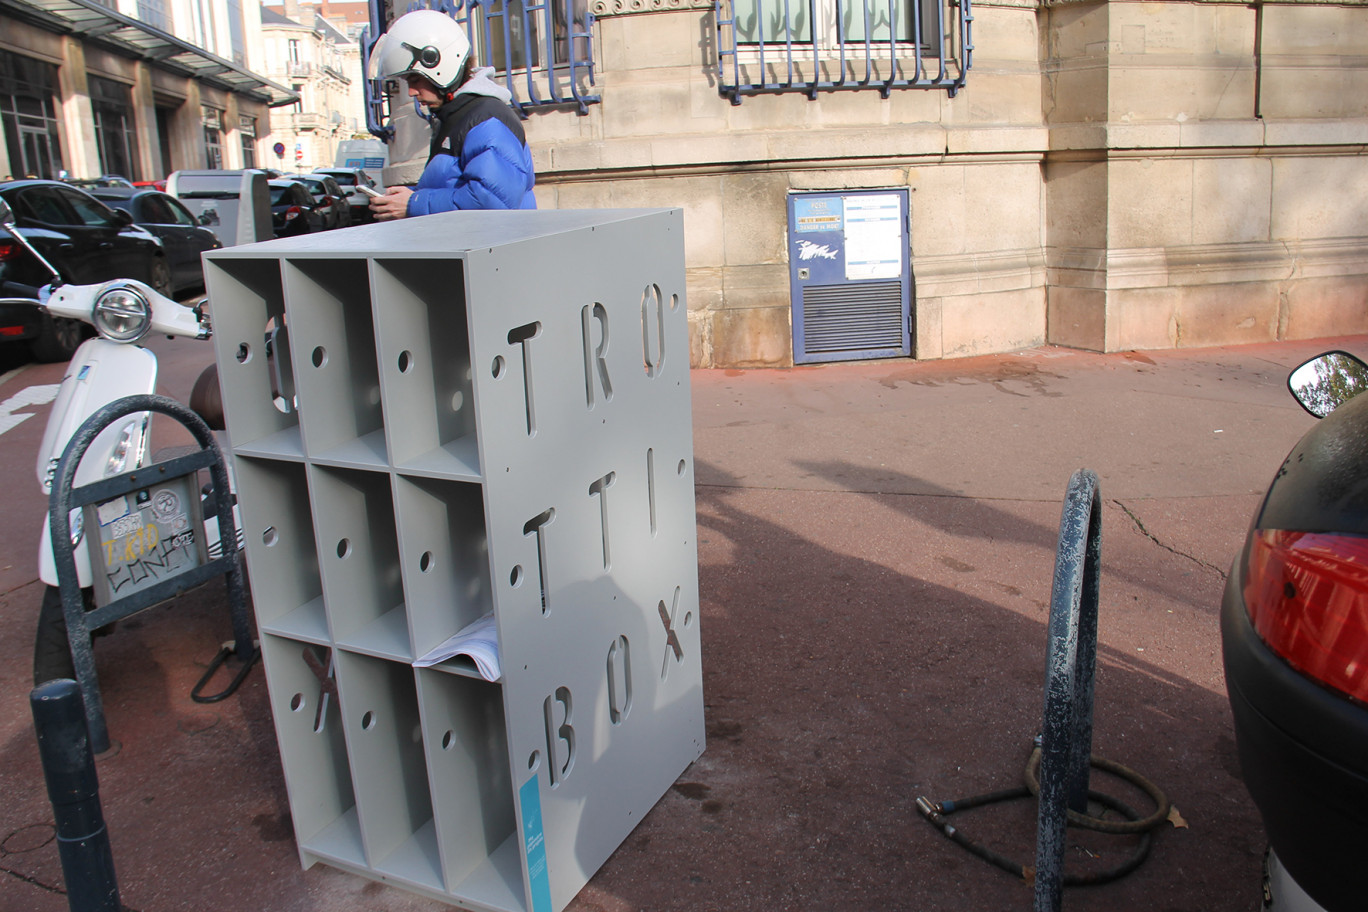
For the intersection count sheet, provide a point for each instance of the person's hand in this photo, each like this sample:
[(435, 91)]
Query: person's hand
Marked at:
[(393, 205)]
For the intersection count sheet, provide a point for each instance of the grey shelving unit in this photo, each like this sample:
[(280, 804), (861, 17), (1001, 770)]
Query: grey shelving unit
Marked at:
[(439, 418)]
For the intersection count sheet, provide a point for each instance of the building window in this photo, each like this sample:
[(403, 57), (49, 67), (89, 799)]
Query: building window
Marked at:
[(247, 130), (542, 52), (298, 106), (825, 45), (29, 116), (294, 50), (153, 12), (116, 135), (213, 137)]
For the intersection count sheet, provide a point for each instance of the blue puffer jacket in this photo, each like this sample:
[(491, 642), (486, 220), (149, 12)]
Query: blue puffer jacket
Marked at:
[(479, 157)]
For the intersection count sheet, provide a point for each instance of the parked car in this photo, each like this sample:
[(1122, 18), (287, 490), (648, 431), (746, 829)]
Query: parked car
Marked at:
[(1294, 631), (86, 241), (350, 179), (294, 211), (104, 180), (183, 238), (332, 202)]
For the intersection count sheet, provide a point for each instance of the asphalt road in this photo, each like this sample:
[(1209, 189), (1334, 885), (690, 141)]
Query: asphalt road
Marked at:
[(876, 544)]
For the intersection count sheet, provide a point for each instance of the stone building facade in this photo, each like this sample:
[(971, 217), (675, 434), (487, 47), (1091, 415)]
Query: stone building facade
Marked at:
[(129, 87), (1113, 175)]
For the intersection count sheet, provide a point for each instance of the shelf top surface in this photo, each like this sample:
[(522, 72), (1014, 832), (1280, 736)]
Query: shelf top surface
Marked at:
[(443, 234)]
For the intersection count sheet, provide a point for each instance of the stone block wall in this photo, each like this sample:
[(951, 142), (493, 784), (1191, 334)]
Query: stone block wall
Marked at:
[(1114, 175)]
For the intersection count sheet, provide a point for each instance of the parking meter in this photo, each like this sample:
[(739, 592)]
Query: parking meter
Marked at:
[(235, 205)]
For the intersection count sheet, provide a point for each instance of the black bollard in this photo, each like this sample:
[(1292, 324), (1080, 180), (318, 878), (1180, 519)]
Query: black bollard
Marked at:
[(74, 790)]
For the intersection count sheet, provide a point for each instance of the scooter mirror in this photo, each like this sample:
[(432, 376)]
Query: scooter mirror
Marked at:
[(1328, 381)]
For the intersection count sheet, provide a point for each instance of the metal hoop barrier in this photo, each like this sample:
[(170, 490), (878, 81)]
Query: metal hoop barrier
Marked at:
[(1058, 770), (63, 498)]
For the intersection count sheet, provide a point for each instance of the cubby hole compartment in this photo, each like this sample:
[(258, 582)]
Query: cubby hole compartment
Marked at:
[(302, 678), (358, 553), (385, 737), (336, 371), (278, 530), (444, 554), (466, 743), (425, 371), (256, 368)]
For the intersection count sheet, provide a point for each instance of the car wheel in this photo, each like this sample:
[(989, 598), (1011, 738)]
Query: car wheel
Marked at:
[(57, 340), (161, 277)]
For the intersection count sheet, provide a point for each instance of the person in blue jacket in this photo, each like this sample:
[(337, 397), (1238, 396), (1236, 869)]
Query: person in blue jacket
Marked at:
[(479, 157)]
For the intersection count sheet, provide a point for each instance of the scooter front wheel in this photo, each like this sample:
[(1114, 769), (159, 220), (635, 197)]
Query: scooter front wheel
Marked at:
[(51, 649)]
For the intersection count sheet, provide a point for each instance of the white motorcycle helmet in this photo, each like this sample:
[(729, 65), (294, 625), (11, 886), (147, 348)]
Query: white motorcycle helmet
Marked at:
[(425, 42)]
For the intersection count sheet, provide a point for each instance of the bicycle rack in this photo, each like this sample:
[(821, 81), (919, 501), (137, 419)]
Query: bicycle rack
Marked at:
[(64, 498)]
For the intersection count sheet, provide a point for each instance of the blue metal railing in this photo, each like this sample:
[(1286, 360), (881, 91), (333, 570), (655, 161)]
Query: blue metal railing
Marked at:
[(540, 49), (922, 44)]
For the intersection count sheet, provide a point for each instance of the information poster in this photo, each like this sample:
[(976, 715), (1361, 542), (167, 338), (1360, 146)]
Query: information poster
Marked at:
[(873, 237)]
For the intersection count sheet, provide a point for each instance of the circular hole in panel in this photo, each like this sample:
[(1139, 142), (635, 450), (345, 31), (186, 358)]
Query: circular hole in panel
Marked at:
[(270, 537), (674, 302), (516, 577), (425, 562), (679, 469), (498, 367), (244, 353), (344, 548), (367, 720), (405, 361), (297, 702), (534, 761), (448, 740), (320, 356), (457, 400), (688, 619)]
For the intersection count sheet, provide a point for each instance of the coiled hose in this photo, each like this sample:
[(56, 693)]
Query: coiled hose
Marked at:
[(1133, 824)]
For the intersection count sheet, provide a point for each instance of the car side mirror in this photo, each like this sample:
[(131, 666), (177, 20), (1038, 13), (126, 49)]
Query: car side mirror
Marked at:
[(1328, 381), (122, 218)]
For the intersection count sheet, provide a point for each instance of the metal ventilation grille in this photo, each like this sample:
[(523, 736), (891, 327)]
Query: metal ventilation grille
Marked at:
[(859, 317)]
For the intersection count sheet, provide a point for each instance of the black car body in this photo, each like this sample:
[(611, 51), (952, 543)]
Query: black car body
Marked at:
[(85, 240), (350, 179), (293, 209), (1294, 629), (331, 201), (183, 238)]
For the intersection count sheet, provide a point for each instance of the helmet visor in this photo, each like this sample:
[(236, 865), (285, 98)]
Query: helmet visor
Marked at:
[(391, 57)]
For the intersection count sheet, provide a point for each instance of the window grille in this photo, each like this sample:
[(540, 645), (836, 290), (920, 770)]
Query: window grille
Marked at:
[(213, 137), (28, 112), (811, 46), (116, 135), (247, 127), (541, 50)]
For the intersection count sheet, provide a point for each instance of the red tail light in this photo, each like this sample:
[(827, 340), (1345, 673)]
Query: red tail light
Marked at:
[(1307, 596), (8, 250), (291, 212)]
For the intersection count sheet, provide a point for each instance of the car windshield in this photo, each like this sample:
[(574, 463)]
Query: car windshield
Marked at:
[(346, 180), (280, 195), (315, 186)]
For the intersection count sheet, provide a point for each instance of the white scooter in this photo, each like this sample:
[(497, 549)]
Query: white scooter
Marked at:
[(105, 368)]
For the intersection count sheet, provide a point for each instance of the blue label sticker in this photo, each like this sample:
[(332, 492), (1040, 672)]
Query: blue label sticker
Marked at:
[(534, 840), (821, 213)]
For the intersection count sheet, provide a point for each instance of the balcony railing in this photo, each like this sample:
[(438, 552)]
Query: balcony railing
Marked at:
[(296, 68), (811, 46), (541, 51)]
